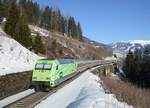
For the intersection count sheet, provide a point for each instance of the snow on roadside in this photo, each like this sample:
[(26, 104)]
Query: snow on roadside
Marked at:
[(84, 92), (14, 98), (14, 57)]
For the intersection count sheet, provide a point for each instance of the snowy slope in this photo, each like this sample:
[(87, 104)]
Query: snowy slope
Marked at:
[(84, 92), (42, 32), (13, 56), (125, 46)]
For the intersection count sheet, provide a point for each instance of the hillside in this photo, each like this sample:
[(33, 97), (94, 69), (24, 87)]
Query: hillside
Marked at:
[(68, 47), (13, 56), (16, 58)]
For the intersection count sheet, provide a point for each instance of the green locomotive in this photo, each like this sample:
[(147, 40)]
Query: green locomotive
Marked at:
[(50, 73)]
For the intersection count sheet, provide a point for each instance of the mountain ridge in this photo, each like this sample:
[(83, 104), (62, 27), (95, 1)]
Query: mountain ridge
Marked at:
[(125, 46)]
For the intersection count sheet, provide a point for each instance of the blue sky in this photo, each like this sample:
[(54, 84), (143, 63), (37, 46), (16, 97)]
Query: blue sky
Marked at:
[(108, 21)]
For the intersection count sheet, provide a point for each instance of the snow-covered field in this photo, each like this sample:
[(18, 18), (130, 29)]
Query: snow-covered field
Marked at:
[(14, 98), (14, 57), (84, 92)]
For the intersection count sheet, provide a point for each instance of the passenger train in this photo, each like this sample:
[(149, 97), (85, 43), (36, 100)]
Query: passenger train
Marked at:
[(50, 73)]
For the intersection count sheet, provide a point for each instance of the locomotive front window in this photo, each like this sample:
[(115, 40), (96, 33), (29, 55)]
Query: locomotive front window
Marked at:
[(47, 66), (39, 66)]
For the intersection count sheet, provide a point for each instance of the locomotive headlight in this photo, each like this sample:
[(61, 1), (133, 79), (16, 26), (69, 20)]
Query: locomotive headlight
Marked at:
[(34, 77), (47, 78)]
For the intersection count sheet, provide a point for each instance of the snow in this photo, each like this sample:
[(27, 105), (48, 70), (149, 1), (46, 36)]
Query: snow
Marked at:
[(4, 20), (119, 54), (41, 31), (84, 92), (14, 57), (14, 98), (142, 42)]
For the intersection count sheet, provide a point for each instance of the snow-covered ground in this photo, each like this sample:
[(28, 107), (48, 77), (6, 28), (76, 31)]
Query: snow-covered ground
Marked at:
[(110, 58), (14, 57), (39, 30), (14, 98), (84, 92)]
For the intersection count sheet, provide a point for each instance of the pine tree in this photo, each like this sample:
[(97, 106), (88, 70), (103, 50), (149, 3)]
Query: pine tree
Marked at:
[(12, 19), (146, 71), (3, 10), (129, 66), (54, 46), (66, 25), (38, 45), (79, 31), (57, 19), (146, 53), (22, 32), (62, 25), (72, 28), (22, 4), (46, 18), (53, 20), (4, 5), (137, 66), (32, 11)]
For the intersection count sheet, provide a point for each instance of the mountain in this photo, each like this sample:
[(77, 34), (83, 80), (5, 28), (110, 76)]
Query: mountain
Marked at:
[(124, 46), (95, 43)]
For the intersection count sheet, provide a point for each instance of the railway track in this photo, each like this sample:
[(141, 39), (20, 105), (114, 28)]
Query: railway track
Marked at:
[(33, 99)]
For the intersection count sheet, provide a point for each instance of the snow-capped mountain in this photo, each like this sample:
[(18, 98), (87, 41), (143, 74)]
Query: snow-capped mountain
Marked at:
[(125, 46)]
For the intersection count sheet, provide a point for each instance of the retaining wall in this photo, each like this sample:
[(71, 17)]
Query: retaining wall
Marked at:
[(14, 83)]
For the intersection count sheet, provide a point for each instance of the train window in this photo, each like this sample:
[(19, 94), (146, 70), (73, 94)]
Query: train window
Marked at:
[(39, 66), (80, 65), (47, 67)]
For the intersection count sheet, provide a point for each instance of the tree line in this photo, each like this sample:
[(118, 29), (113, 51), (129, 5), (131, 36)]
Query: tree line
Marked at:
[(136, 68), (49, 18), (4, 5), (16, 26)]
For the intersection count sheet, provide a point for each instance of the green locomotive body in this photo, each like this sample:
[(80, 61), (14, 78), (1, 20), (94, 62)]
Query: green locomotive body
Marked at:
[(50, 73)]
